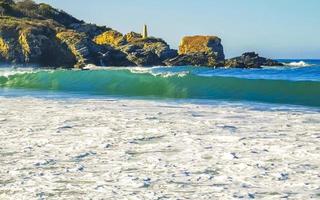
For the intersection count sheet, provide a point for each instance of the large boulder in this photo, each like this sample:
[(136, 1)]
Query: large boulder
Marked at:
[(199, 51), (250, 60), (209, 45)]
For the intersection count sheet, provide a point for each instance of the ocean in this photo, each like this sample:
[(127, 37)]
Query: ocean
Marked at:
[(296, 84), (160, 133)]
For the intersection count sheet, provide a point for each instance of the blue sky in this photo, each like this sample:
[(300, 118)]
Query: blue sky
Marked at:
[(273, 28)]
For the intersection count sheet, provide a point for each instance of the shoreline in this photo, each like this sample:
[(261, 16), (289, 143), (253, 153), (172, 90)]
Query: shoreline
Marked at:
[(136, 148), (67, 96)]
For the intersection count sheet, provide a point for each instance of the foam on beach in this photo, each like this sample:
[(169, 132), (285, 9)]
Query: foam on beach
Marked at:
[(137, 149)]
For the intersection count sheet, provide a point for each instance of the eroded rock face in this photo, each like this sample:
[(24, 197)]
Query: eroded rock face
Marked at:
[(132, 37), (194, 59), (140, 51), (88, 52), (33, 42), (199, 51), (91, 30), (112, 37), (79, 45), (250, 60), (148, 52), (209, 45)]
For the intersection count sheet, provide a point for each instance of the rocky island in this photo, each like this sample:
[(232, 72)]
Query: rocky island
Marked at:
[(33, 33)]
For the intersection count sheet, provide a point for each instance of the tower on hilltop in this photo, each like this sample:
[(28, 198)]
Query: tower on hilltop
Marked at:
[(145, 31)]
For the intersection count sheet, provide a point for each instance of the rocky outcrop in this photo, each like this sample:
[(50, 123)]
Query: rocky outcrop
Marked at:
[(132, 37), (193, 59), (199, 51), (148, 52), (91, 30), (39, 34), (24, 41), (88, 52), (210, 45), (140, 51), (111, 37), (250, 60)]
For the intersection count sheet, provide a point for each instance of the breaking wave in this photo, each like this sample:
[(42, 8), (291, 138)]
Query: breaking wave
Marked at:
[(182, 84), (298, 64)]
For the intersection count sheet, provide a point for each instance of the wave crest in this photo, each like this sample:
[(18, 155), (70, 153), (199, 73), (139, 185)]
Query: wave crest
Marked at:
[(188, 86), (298, 64)]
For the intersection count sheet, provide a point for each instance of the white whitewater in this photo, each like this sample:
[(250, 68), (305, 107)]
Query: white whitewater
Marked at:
[(298, 64), (136, 149), (6, 72)]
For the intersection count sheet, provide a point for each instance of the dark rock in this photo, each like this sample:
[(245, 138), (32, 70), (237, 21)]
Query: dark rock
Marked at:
[(144, 58), (250, 60), (110, 56), (140, 51), (88, 52), (194, 59), (91, 30)]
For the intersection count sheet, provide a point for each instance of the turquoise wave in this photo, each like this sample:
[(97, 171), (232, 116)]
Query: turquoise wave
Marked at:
[(187, 86)]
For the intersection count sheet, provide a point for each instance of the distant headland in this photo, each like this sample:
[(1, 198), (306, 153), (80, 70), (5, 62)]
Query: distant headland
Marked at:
[(33, 33)]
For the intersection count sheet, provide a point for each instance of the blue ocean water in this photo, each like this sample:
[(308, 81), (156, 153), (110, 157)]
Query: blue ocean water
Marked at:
[(298, 83)]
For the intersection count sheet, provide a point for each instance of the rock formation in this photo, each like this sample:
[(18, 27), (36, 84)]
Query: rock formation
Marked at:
[(202, 44), (24, 41), (140, 51), (199, 51), (250, 60), (40, 34)]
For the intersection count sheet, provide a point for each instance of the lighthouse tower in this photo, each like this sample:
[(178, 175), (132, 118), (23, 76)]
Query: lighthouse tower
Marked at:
[(145, 31)]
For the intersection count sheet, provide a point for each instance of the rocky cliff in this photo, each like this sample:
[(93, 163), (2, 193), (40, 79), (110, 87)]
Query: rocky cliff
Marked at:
[(40, 34)]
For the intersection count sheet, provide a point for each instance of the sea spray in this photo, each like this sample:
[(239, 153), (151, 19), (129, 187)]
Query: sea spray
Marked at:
[(298, 64)]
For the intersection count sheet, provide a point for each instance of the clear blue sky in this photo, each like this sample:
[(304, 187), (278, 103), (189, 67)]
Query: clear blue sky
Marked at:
[(273, 28)]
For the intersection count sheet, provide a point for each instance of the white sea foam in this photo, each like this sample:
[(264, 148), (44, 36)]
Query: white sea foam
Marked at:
[(92, 67), (6, 72), (298, 64), (137, 149), (140, 70), (155, 72), (170, 74)]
